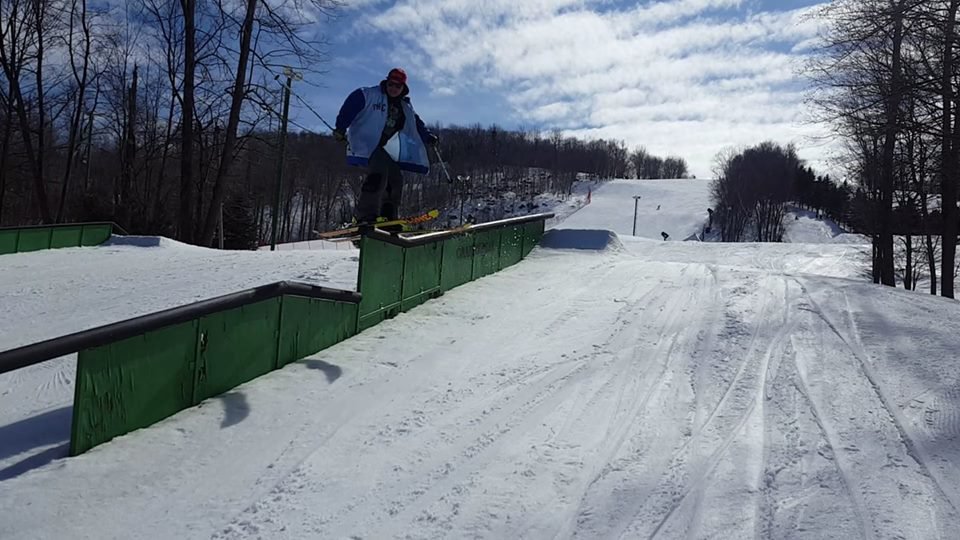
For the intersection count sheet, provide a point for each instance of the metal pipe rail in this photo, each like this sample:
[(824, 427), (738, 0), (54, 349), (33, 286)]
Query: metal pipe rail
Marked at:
[(113, 224), (43, 351), (431, 237)]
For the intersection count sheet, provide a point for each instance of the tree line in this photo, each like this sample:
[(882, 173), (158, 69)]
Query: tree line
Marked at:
[(138, 112), (648, 166), (754, 188), (887, 80)]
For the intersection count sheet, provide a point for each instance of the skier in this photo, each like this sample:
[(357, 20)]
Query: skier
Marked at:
[(384, 134)]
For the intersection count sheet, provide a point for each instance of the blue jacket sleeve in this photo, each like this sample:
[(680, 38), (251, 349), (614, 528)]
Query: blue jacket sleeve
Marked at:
[(425, 134), (350, 109)]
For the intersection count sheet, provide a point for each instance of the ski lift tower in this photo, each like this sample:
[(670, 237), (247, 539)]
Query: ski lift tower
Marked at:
[(636, 201)]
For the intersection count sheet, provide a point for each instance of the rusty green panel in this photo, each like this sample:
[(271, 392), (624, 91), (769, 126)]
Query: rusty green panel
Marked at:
[(531, 236), (457, 267), (8, 241), (486, 253), (421, 274), (236, 346), (96, 234), (511, 245), (62, 237), (34, 239), (132, 384), (309, 325), (380, 281)]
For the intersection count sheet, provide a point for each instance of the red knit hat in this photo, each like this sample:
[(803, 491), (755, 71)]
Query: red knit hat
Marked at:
[(397, 75)]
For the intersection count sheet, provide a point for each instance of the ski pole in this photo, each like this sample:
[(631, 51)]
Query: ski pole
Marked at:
[(315, 113), (442, 165)]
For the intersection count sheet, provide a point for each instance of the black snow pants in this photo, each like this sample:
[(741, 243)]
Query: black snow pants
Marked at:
[(382, 189)]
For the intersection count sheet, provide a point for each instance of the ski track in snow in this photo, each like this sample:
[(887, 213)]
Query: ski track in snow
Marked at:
[(586, 437), (873, 433), (651, 390)]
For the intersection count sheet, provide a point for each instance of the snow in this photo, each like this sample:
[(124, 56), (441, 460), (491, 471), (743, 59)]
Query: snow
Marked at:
[(49, 293), (46, 294), (804, 227), (677, 207), (313, 245), (633, 388)]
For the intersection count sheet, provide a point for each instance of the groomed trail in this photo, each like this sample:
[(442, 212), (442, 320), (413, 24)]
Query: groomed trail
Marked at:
[(606, 387)]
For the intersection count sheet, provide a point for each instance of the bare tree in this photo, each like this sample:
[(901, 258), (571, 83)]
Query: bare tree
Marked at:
[(674, 167), (864, 79), (754, 186), (7, 103), (23, 35), (78, 15), (896, 13), (185, 228), (233, 121), (949, 148)]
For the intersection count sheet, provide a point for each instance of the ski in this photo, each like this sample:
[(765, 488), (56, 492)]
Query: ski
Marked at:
[(409, 234), (407, 221), (458, 228)]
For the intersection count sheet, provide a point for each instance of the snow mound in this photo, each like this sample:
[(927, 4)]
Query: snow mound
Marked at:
[(147, 242), (587, 239)]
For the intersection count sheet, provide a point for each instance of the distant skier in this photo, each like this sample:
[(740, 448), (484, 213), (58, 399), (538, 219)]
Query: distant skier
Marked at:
[(385, 135)]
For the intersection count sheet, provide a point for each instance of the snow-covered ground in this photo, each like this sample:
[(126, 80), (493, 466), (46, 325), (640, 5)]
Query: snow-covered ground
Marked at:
[(637, 388), (53, 292), (804, 227), (312, 245), (46, 294), (676, 207)]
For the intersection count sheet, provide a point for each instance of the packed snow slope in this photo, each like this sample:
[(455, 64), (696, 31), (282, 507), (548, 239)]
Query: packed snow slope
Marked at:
[(679, 208), (803, 226), (606, 387), (676, 207)]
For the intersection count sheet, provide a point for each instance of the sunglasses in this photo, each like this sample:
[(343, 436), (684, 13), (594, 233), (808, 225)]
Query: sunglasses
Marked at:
[(391, 84)]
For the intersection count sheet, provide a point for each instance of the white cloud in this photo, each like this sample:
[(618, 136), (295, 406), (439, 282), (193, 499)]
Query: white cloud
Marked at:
[(681, 77), (362, 4), (444, 91), (552, 112)]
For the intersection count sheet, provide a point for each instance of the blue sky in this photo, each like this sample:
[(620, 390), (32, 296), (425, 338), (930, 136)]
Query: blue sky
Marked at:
[(689, 78)]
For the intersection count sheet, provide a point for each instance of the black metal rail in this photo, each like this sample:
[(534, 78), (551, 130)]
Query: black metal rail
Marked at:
[(429, 238), (116, 227), (37, 353)]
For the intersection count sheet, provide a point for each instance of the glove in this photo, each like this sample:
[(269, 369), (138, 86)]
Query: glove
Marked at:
[(435, 142), (339, 136)]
